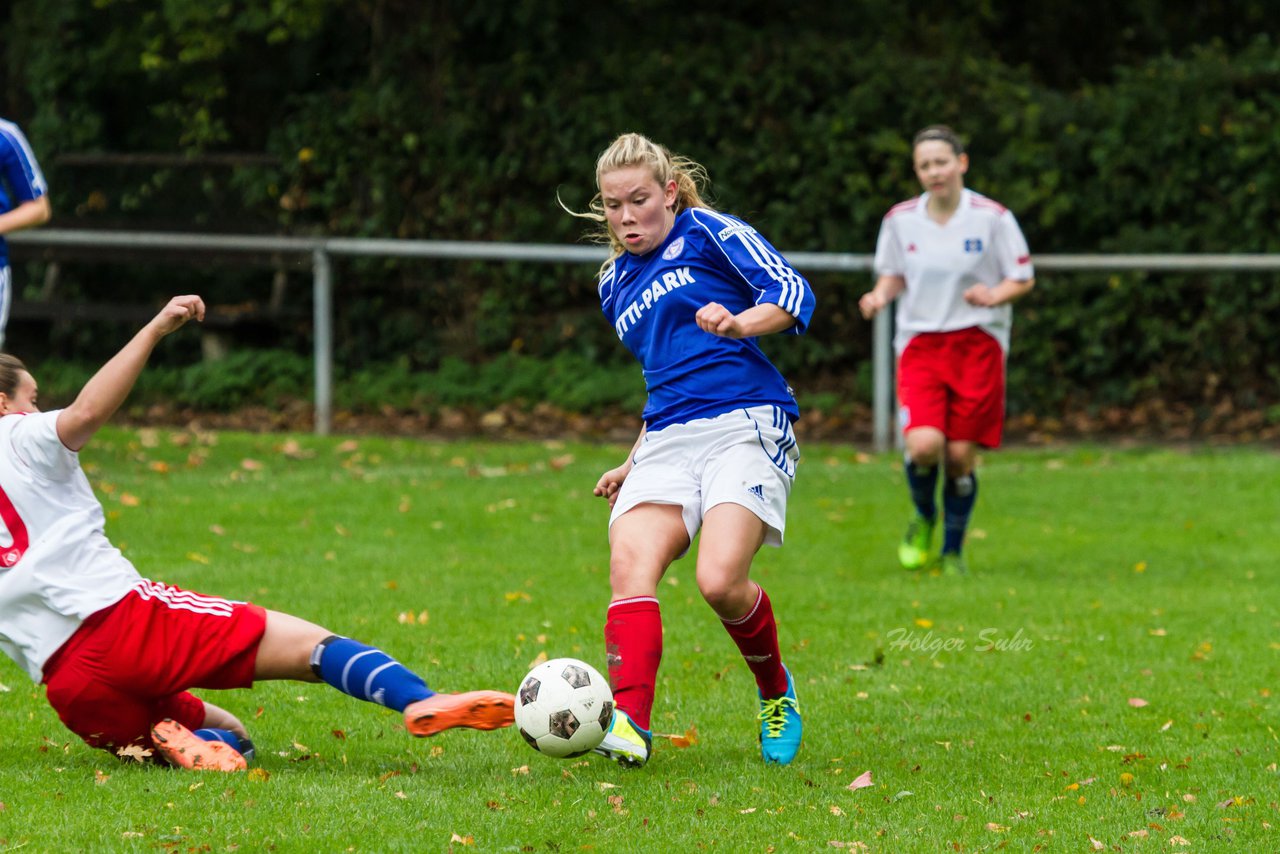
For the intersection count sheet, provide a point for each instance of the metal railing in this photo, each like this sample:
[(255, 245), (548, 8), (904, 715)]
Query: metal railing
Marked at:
[(320, 252)]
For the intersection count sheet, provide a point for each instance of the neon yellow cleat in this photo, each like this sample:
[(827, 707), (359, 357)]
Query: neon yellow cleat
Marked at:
[(913, 551)]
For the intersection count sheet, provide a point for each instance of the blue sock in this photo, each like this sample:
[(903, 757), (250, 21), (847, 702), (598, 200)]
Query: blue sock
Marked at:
[(958, 497), (243, 745), (367, 673), (923, 483)]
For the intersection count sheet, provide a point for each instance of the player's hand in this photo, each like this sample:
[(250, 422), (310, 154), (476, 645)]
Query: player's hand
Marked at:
[(177, 312), (871, 304), (980, 295), (718, 320), (611, 481)]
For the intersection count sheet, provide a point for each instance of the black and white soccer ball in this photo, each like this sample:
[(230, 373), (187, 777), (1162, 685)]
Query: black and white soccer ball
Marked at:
[(564, 707)]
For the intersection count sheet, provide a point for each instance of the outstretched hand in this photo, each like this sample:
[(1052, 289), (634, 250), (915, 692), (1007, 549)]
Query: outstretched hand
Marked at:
[(610, 482), (177, 312)]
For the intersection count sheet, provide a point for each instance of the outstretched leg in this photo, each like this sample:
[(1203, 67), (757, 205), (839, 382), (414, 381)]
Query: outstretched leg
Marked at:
[(293, 648)]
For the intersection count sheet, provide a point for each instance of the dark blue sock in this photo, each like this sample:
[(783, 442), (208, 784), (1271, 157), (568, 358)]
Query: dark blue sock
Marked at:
[(958, 497), (243, 745), (367, 673), (923, 483)]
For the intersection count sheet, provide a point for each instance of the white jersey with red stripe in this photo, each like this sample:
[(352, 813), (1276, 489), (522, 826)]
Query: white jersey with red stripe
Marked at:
[(56, 565), (980, 244)]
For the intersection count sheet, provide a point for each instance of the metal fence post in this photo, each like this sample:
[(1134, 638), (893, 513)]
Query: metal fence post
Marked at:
[(322, 279), (882, 379)]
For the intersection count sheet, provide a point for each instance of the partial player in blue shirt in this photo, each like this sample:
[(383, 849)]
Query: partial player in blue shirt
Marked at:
[(688, 290), (24, 203)]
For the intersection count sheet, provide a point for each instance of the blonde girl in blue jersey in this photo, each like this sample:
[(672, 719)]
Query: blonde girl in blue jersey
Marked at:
[(688, 290)]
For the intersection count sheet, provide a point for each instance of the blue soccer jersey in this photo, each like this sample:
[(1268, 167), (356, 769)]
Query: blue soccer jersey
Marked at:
[(651, 301), (19, 173)]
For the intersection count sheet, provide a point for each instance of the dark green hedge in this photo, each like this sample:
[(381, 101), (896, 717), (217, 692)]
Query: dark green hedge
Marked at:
[(465, 120)]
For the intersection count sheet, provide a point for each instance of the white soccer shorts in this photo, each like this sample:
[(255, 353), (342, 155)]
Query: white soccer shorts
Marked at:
[(746, 457)]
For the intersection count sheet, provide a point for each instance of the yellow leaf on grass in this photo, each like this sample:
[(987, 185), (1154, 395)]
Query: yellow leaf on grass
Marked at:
[(1095, 844), (539, 659), (1126, 779), (159, 466), (129, 500), (197, 557), (1138, 702), (517, 595), (99, 777), (924, 622), (259, 775)]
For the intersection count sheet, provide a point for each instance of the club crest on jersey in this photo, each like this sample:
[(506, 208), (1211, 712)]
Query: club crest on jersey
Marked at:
[(673, 251), (973, 244)]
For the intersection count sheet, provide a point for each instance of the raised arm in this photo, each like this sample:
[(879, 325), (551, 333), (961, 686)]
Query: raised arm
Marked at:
[(107, 389)]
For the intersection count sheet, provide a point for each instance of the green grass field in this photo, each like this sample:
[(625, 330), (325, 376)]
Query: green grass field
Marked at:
[(1102, 681)]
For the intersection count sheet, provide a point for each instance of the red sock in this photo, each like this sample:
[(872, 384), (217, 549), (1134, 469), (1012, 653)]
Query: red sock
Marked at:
[(633, 648), (756, 635)]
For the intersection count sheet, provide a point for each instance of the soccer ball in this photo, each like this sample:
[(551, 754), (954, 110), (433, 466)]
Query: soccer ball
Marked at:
[(564, 708)]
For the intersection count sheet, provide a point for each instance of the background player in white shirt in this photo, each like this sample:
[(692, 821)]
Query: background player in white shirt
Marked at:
[(954, 260), (688, 289), (119, 652)]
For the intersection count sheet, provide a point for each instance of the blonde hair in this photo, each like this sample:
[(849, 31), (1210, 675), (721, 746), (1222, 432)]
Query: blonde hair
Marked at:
[(633, 149)]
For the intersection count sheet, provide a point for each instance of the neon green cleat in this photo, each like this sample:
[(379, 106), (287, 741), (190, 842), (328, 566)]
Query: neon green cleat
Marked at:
[(913, 551), (953, 564), (625, 743)]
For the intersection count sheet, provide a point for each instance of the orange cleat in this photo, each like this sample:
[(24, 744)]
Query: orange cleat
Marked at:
[(474, 709), (184, 749)]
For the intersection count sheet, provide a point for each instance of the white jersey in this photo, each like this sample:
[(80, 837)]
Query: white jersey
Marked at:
[(980, 244), (56, 565)]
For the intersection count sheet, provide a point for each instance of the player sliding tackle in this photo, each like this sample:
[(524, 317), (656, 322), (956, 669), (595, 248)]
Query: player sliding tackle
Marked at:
[(119, 652)]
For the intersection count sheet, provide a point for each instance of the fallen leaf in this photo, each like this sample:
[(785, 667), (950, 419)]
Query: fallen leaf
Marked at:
[(1095, 844), (136, 752), (835, 810), (863, 781), (1179, 841), (523, 769), (197, 558), (540, 658), (339, 734), (259, 775), (747, 811), (1166, 725), (347, 447), (924, 622), (560, 462), (99, 777), (1138, 834), (1138, 702), (128, 499), (159, 466), (217, 530), (688, 739), (463, 840), (996, 828), (250, 465), (402, 796)]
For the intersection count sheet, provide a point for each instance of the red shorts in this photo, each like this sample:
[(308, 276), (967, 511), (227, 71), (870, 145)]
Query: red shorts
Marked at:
[(954, 381), (130, 665)]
